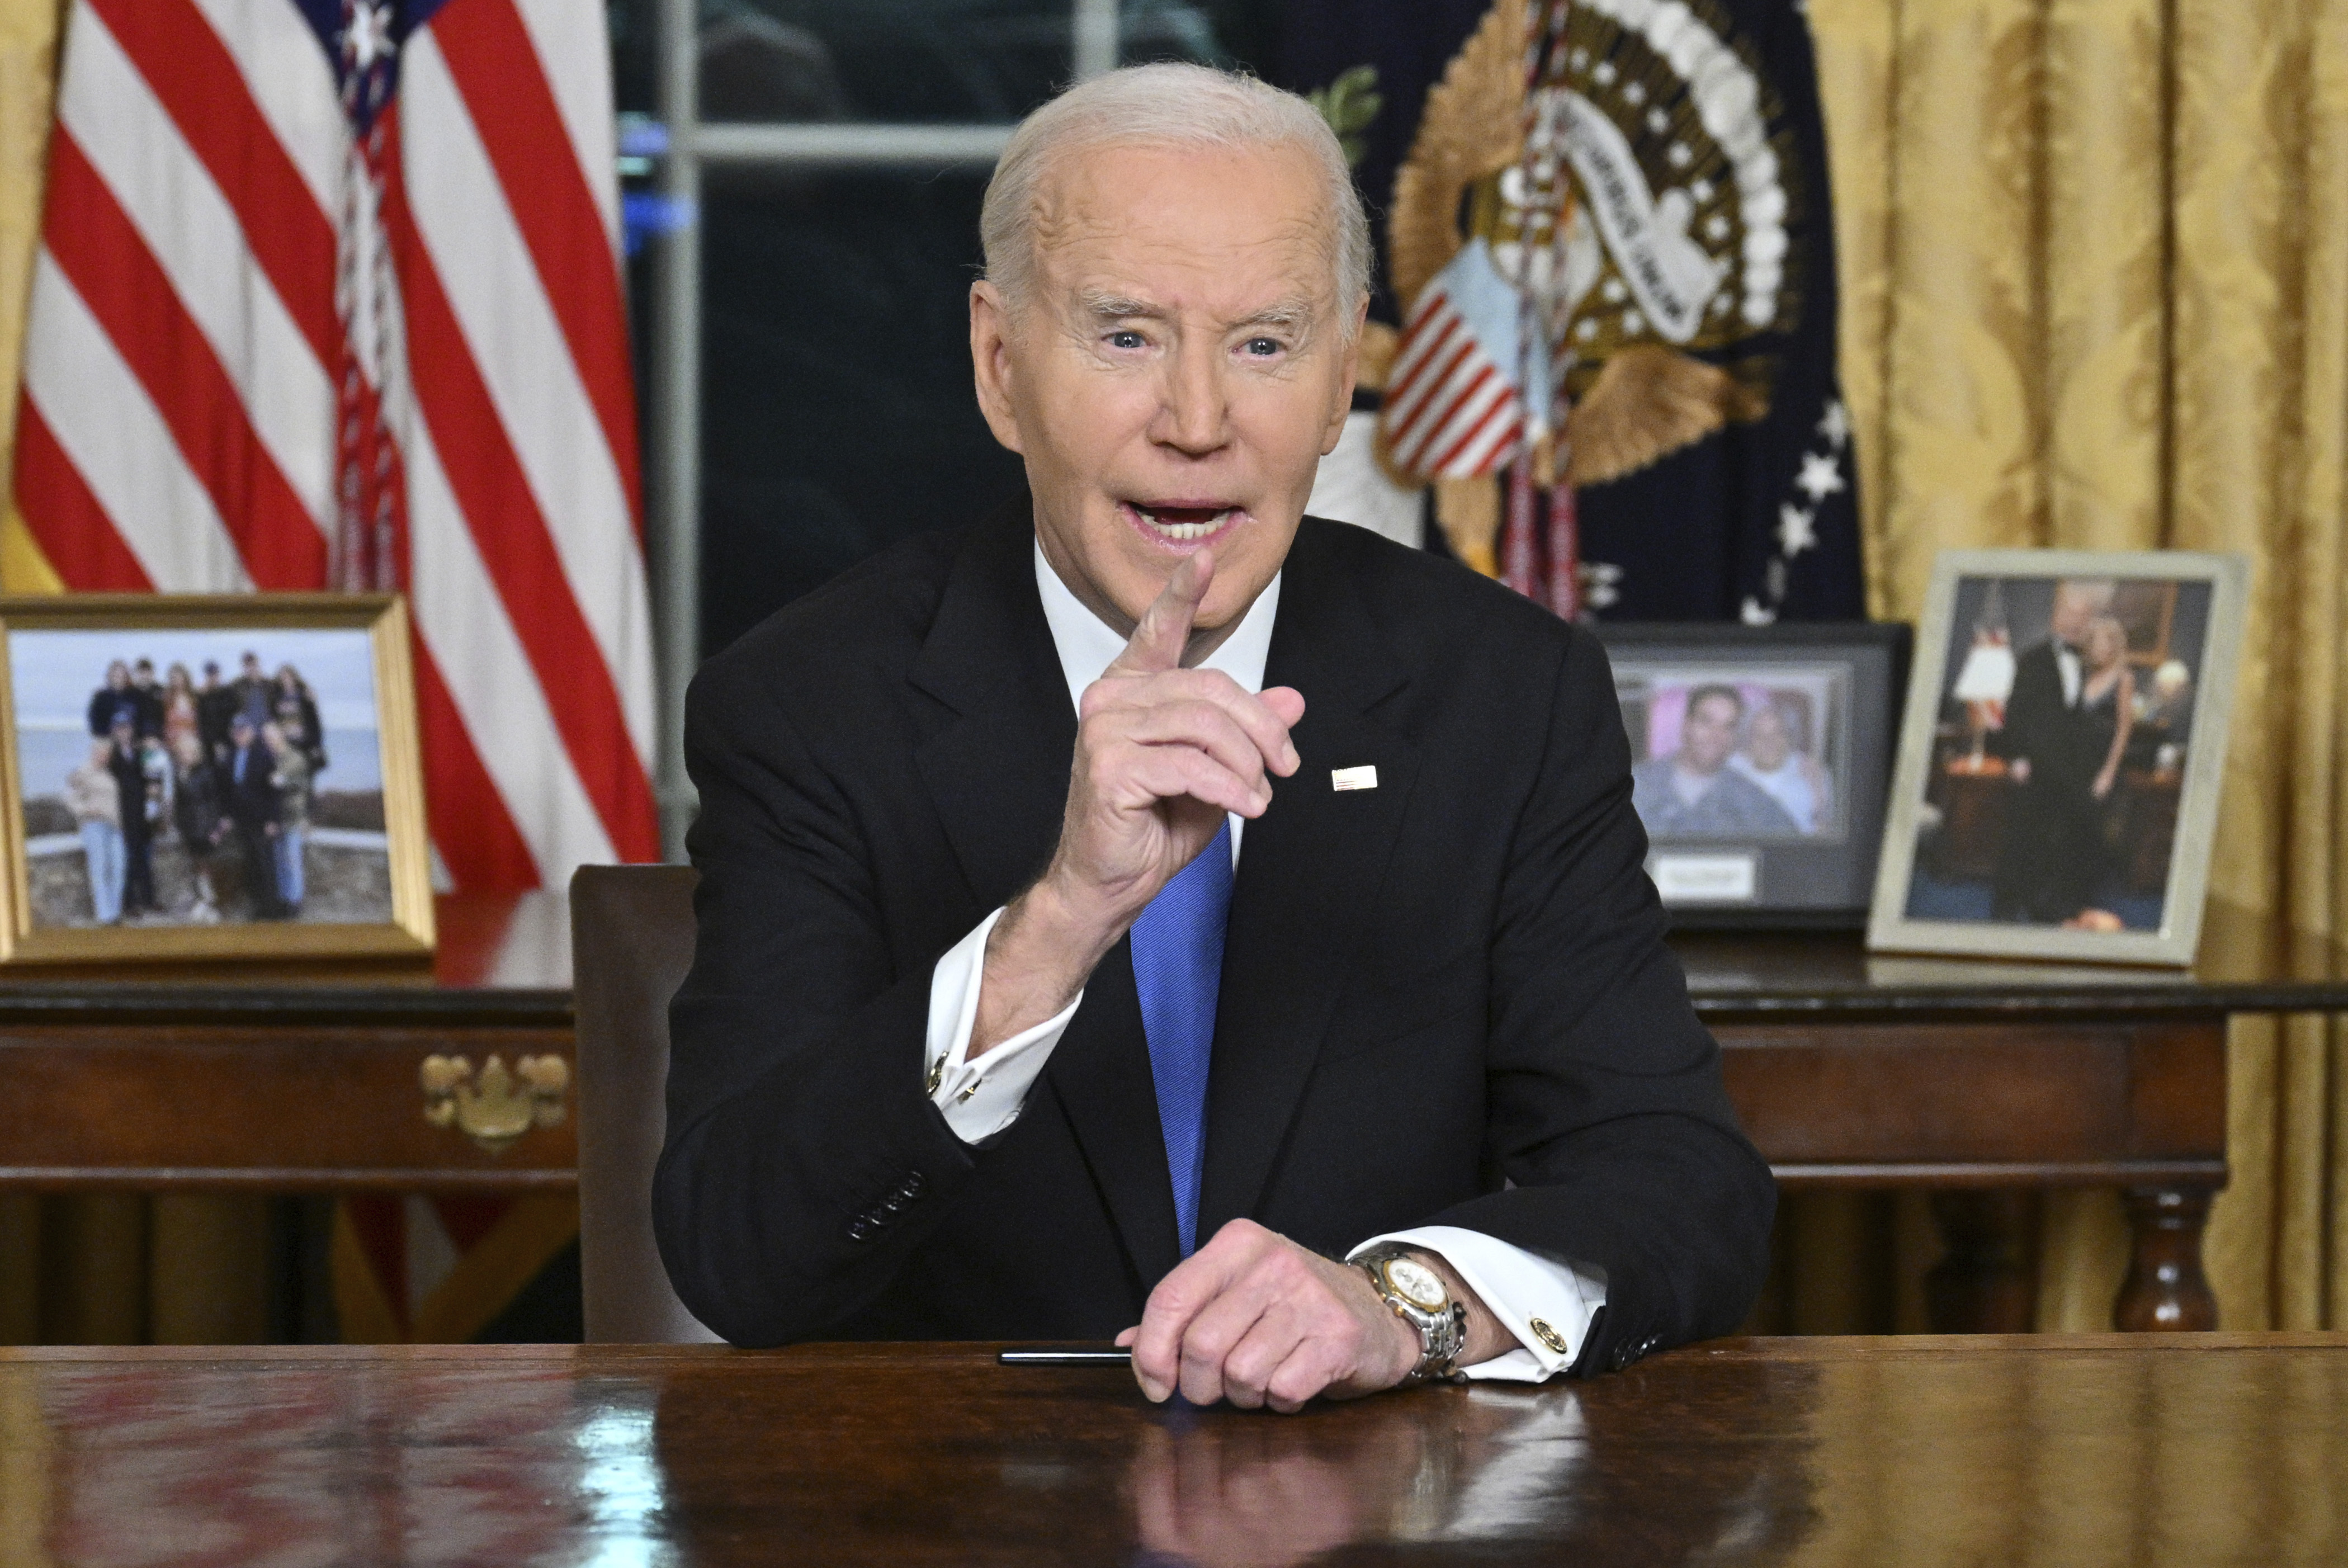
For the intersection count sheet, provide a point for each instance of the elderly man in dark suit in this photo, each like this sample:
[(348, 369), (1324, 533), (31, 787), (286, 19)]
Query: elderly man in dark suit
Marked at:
[(1151, 913), (250, 796), (2046, 865)]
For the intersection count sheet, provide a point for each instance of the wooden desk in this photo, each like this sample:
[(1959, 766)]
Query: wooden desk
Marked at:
[(2082, 1452), (286, 1079), (1980, 1079), (1971, 1078)]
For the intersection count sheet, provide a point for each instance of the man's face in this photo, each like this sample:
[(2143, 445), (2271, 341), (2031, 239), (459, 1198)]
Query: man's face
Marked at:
[(1708, 735), (2076, 604), (1181, 366)]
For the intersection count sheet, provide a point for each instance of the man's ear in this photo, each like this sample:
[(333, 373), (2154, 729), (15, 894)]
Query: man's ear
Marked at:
[(990, 362), (1345, 404)]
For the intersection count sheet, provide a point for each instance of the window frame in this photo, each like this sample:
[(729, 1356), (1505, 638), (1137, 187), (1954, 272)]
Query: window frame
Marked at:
[(672, 359)]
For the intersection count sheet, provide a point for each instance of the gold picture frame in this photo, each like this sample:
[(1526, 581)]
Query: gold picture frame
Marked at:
[(216, 879)]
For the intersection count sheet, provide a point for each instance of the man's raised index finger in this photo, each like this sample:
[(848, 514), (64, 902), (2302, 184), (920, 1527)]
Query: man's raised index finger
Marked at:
[(1164, 630)]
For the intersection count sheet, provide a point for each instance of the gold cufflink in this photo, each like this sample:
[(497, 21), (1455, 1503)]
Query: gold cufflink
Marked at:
[(1548, 1336)]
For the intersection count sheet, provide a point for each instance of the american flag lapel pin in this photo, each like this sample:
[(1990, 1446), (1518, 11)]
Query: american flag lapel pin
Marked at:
[(1363, 777)]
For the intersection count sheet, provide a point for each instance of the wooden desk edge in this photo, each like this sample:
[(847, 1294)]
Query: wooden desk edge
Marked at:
[(1844, 1347), (492, 1179)]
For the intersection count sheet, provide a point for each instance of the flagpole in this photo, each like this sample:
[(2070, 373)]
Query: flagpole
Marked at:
[(677, 413)]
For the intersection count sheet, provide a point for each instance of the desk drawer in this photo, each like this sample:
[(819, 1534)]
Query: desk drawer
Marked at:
[(2101, 1101), (328, 1108)]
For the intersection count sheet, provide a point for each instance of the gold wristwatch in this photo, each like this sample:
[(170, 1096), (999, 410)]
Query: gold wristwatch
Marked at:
[(1419, 1297)]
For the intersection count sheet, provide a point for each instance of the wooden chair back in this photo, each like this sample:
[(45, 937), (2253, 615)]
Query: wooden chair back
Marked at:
[(631, 945)]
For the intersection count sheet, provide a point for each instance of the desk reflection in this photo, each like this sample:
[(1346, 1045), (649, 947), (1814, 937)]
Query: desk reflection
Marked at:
[(2052, 1452), (969, 1463), (1248, 1493)]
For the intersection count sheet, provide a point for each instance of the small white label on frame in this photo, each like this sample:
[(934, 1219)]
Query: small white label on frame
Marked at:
[(1707, 879), (1363, 777)]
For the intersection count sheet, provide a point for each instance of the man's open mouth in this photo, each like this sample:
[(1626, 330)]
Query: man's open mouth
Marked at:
[(1183, 522)]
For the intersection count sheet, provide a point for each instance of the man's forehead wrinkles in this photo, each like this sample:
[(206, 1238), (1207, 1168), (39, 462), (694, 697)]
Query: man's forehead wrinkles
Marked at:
[(1103, 304)]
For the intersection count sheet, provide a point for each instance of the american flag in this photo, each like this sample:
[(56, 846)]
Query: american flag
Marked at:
[(1451, 408), (328, 295)]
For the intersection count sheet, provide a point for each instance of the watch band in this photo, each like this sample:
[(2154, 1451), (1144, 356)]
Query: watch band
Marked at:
[(1442, 1328)]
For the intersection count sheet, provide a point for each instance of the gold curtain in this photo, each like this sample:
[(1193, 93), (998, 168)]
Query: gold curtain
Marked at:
[(28, 47), (2095, 294)]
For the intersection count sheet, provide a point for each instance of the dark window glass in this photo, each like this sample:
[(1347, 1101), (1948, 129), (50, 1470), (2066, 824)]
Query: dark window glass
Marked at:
[(837, 412), (1235, 33), (906, 61), (636, 59)]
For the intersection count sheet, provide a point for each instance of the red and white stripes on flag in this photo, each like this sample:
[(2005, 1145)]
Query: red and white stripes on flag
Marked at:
[(1452, 409), (1449, 412), (328, 294)]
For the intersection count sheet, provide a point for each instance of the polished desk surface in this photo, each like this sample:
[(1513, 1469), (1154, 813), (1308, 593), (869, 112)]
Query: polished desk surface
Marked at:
[(2246, 964), (2077, 1451)]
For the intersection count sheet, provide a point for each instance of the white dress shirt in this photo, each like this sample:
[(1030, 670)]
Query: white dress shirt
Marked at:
[(2066, 666), (1528, 1293)]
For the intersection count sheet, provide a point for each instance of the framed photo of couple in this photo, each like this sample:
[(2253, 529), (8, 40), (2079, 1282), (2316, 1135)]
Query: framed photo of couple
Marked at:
[(2065, 739), (218, 777)]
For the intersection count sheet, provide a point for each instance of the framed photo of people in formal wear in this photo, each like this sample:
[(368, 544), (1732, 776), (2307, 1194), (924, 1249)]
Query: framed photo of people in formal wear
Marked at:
[(231, 776), (1758, 760), (2061, 756)]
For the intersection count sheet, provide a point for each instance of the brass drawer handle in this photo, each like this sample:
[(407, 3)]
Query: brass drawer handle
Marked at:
[(496, 1106)]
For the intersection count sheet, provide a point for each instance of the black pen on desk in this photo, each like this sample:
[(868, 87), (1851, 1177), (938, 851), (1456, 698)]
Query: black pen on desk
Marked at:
[(1067, 1355)]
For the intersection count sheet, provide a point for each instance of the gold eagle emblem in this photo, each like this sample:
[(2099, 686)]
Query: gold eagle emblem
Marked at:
[(1667, 243)]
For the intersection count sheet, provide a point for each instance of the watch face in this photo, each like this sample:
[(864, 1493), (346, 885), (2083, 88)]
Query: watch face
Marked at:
[(1417, 1284)]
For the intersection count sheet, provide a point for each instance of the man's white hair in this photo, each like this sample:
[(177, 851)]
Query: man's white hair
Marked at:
[(1166, 105)]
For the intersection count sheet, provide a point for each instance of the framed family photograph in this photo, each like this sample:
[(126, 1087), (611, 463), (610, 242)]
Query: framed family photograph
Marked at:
[(2061, 756), (218, 777), (1758, 760)]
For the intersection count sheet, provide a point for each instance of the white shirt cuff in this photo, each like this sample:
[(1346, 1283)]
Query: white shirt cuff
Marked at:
[(1528, 1293), (980, 1098)]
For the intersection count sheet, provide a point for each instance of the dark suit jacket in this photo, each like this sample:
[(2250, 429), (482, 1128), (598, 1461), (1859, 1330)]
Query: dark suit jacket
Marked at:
[(2039, 726), (1451, 982), (253, 800)]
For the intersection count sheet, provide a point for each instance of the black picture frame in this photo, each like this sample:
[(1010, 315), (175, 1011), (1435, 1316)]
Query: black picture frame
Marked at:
[(1836, 687)]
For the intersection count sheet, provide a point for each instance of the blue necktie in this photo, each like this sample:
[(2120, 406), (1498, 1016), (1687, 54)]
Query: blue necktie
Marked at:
[(1177, 966)]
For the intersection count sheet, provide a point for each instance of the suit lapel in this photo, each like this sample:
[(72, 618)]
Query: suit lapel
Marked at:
[(997, 769), (1310, 867)]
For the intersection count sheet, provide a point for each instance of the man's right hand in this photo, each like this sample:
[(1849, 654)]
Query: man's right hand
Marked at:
[(1162, 753)]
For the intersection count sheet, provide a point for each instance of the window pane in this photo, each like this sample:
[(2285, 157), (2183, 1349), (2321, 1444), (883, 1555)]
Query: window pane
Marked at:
[(926, 61), (837, 413), (635, 27), (1229, 33)]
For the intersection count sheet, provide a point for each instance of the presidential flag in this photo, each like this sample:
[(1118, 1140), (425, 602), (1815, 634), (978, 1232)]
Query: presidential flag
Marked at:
[(328, 295), (1607, 296)]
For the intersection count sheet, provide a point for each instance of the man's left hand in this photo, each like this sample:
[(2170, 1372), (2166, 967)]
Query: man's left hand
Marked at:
[(1255, 1319)]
